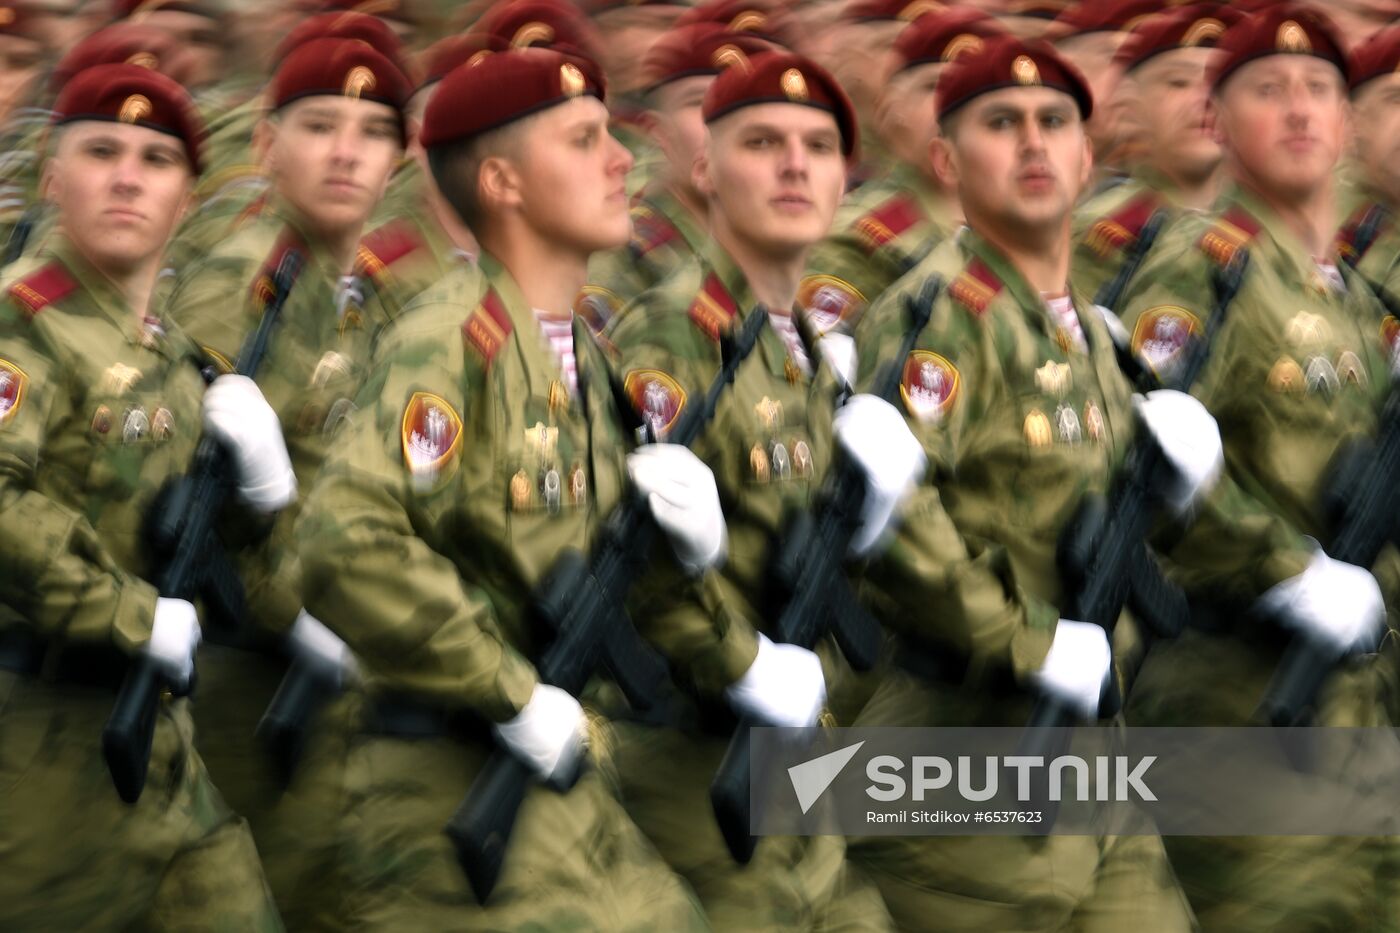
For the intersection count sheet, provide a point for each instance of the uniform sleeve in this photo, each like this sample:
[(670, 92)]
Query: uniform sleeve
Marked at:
[(368, 570), (210, 304), (943, 585), (57, 574)]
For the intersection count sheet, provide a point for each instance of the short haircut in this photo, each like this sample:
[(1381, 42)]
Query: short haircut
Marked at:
[(456, 167)]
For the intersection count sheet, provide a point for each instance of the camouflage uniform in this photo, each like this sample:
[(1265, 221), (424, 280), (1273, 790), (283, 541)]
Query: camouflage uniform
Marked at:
[(1298, 369), (315, 364), (884, 228), (1106, 227), (769, 447), (466, 471), (1019, 422), (1370, 242), (664, 235), (98, 411)]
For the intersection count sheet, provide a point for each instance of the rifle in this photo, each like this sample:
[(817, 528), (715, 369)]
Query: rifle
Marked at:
[(581, 602), (1360, 503), (1112, 292), (816, 596), (19, 236), (1104, 543), (191, 563)]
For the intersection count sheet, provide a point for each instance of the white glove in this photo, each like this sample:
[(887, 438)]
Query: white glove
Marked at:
[(839, 351), (549, 734), (875, 435), (237, 414), (1077, 667), (1116, 330), (175, 634), (784, 686), (1336, 603), (684, 500), (1190, 438), (317, 644)]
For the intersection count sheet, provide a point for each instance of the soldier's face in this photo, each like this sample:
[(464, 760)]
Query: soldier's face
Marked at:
[(905, 116), (199, 38), (119, 189), (20, 59), (1378, 133), (679, 129), (331, 158), (1019, 158), (1283, 120), (1170, 94), (1092, 54), (570, 178), (774, 174)]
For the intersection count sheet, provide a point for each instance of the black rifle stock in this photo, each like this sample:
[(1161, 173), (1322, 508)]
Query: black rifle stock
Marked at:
[(1361, 503), (1104, 545), (190, 562), (581, 602), (816, 595)]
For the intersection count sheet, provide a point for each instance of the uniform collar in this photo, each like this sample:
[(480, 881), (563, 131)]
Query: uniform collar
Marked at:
[(1021, 291), (658, 198), (1275, 242)]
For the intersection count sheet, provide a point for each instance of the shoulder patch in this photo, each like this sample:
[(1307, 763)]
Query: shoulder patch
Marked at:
[(887, 221), (1228, 235), (432, 436), (828, 301), (382, 247), (263, 283), (929, 385), (657, 398), (1161, 333), (713, 308), (651, 229), (13, 383), (597, 305), (488, 326), (976, 287), (1359, 233), (37, 291), (1111, 234)]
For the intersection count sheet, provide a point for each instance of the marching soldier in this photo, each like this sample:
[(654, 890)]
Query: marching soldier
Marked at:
[(335, 133), (669, 222), (486, 444), (780, 136), (887, 225), (1370, 238), (1298, 369), (1014, 391), (99, 404), (1176, 163)]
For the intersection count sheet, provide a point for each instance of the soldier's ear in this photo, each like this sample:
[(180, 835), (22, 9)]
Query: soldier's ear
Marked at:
[(700, 173), (498, 184), (1087, 171), (1213, 120), (944, 162), (264, 134)]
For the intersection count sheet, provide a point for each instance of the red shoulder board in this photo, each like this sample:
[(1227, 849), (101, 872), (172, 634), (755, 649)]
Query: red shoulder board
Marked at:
[(888, 221), (384, 246), (1367, 218), (263, 287), (976, 287), (1229, 234), (488, 326), (254, 209), (1110, 234), (650, 230), (713, 308), (37, 291)]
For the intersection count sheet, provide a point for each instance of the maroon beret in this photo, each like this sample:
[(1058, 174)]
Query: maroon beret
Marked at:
[(499, 89), (339, 68), (132, 94), (119, 43), (1036, 9), (1281, 29), (760, 18), (446, 54), (1103, 16), (697, 49), (129, 9), (941, 37), (778, 77), (1376, 57), (370, 30), (904, 11), (19, 19), (1006, 61), (1201, 25), (551, 24), (399, 10)]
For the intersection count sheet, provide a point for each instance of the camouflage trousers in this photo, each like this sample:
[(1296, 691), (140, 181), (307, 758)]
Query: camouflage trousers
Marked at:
[(1274, 883), (73, 856), (1105, 884), (295, 827), (575, 862), (791, 884)]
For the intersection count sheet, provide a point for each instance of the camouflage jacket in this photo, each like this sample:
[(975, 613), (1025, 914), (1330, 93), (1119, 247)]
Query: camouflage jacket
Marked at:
[(883, 230), (465, 473), (1369, 241), (97, 409)]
